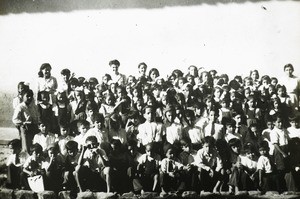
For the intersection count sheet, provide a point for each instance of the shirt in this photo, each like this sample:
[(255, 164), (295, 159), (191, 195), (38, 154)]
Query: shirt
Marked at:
[(43, 140), (149, 132), (101, 135), (194, 133), (173, 132), (94, 159), (26, 114), (264, 164), (169, 165), (209, 160), (279, 136), (247, 162), (214, 130)]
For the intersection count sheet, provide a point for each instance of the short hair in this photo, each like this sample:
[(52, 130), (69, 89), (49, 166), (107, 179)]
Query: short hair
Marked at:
[(189, 113), (45, 66), (74, 81), (234, 142), (36, 148), (114, 62), (142, 64), (84, 123), (288, 66), (98, 117), (93, 80), (209, 140), (92, 139), (147, 106), (28, 92), (65, 72), (15, 143), (71, 145)]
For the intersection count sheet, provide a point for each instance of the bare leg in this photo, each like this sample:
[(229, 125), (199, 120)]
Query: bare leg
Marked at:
[(107, 178), (155, 181)]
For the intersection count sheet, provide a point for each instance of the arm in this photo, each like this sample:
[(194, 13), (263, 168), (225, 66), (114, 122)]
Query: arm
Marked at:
[(277, 147)]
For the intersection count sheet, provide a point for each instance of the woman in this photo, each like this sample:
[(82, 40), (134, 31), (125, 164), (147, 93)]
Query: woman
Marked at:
[(292, 84)]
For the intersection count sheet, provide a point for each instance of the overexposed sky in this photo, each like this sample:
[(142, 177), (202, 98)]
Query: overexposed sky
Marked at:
[(231, 38)]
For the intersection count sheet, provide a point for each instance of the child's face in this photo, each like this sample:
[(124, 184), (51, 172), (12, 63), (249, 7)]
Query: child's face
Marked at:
[(169, 116), (254, 75), (119, 93), (109, 101), (229, 128), (280, 92), (156, 92), (15, 150), (180, 83), (250, 155), (72, 152), (232, 96), (27, 98), (235, 149), (208, 103), (164, 101), (91, 145), (251, 103), (43, 128), (159, 82), (247, 93), (97, 124), (263, 152), (64, 131), (212, 116), (238, 119), (253, 129), (104, 79), (153, 75), (278, 123), (170, 154), (46, 72), (148, 115), (204, 77), (52, 153), (217, 93), (274, 82), (82, 129), (189, 79), (197, 111), (206, 148), (79, 95), (224, 104), (193, 71), (270, 125), (148, 150)]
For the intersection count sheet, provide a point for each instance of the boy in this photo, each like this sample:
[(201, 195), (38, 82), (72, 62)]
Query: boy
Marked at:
[(171, 178), (212, 128), (44, 138), (209, 165), (64, 138), (83, 127), (230, 133), (192, 132), (150, 131), (92, 167), (14, 164), (265, 168), (26, 118)]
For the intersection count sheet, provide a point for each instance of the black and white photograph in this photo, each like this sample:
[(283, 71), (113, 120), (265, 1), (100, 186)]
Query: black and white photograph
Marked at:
[(108, 99)]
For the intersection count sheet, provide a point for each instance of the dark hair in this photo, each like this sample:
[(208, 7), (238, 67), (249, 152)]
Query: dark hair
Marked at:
[(28, 92), (153, 70), (36, 148), (234, 142), (84, 123), (74, 81), (209, 140), (91, 138), (44, 66), (15, 143), (71, 145), (142, 64), (65, 72), (114, 62), (98, 117), (288, 66), (93, 80)]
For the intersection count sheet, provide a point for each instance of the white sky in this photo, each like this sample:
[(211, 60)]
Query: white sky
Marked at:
[(231, 38)]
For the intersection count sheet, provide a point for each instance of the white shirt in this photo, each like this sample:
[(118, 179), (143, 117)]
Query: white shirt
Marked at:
[(279, 136), (294, 132), (149, 132), (264, 164), (247, 162), (173, 132), (43, 140), (195, 134)]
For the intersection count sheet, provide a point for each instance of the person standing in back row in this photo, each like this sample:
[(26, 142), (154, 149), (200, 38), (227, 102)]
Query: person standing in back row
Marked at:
[(115, 75)]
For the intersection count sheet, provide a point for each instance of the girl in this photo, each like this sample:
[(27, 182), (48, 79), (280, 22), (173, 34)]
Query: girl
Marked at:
[(79, 105), (252, 113), (254, 75), (62, 109), (46, 82), (45, 109), (153, 74), (106, 78), (19, 99)]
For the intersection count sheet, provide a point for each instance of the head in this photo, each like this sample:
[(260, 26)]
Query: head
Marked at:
[(43, 128), (22, 87), (98, 121), (170, 114), (254, 75), (148, 113), (149, 149), (79, 95), (66, 74), (28, 96), (106, 78), (208, 144), (274, 81), (64, 130), (116, 145), (235, 145), (281, 90), (36, 150), (278, 122), (230, 126), (110, 99), (72, 148), (15, 146), (289, 69), (213, 115), (170, 153), (74, 83), (44, 97), (83, 126), (114, 66), (45, 70), (93, 82), (294, 121), (142, 68), (91, 143), (263, 148), (190, 117), (52, 150)]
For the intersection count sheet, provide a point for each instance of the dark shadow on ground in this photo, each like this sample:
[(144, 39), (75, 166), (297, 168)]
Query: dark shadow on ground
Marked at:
[(40, 6)]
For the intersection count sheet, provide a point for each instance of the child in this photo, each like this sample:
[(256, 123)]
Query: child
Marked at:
[(14, 164), (142, 68), (209, 165), (79, 105), (44, 137), (267, 132), (252, 113), (62, 109), (83, 127), (53, 165), (45, 109), (253, 137), (116, 131), (22, 87), (294, 130), (230, 131), (26, 117), (191, 131), (153, 74), (149, 169), (212, 127), (234, 180), (70, 164), (131, 126), (63, 139), (171, 177), (46, 82), (64, 84), (150, 131), (265, 168), (279, 138), (93, 167), (33, 165)]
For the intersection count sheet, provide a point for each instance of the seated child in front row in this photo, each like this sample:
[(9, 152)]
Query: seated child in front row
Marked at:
[(93, 171), (14, 164), (209, 165)]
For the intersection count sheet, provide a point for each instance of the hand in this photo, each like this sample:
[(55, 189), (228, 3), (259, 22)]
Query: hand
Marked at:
[(297, 169), (211, 173)]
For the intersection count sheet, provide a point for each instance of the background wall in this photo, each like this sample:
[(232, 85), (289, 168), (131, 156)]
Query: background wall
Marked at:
[(232, 37)]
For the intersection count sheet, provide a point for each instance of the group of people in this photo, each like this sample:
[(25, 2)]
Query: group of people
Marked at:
[(195, 131)]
